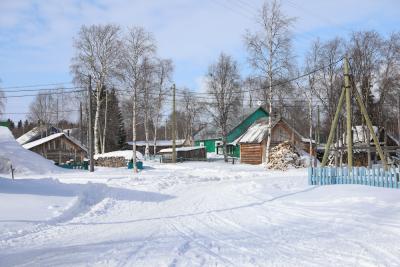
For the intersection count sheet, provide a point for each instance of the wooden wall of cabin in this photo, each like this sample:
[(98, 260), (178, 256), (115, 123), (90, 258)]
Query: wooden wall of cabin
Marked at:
[(251, 153), (281, 132), (60, 150)]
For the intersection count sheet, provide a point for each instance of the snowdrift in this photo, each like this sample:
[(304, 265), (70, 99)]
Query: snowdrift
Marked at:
[(22, 160)]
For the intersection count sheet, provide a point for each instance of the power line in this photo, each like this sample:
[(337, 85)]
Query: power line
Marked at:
[(43, 89), (54, 93), (35, 85)]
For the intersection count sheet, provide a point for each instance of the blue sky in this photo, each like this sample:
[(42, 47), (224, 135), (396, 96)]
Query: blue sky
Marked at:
[(36, 35)]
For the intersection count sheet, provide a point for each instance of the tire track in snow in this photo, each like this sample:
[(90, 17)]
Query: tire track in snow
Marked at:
[(187, 237)]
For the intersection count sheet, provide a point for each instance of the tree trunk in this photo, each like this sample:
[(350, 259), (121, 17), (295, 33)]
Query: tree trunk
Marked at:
[(155, 136), (103, 147), (146, 133), (96, 125), (134, 132), (225, 146), (311, 130), (269, 122)]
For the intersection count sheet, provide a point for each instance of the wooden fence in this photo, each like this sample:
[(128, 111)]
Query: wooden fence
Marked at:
[(357, 175)]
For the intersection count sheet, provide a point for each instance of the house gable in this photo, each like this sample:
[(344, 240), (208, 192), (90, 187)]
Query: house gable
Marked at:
[(246, 123)]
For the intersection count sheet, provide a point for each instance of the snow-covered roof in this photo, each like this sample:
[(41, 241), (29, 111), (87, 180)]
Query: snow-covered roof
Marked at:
[(159, 142), (255, 134), (185, 148), (35, 133), (258, 131), (52, 137), (127, 154)]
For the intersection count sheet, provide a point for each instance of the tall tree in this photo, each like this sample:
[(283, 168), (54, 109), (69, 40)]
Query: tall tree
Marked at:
[(43, 109), (97, 53), (138, 45), (269, 51), (365, 52), (163, 73), (223, 85), (190, 108)]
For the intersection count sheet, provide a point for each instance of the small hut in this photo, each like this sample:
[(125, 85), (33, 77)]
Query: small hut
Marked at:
[(253, 141), (185, 154)]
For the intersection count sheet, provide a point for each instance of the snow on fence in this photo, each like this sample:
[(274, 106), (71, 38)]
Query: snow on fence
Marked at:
[(357, 175)]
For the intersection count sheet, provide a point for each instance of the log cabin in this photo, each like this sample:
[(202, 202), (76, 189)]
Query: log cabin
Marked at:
[(58, 147)]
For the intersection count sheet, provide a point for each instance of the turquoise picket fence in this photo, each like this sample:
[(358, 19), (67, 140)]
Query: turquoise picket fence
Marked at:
[(357, 175)]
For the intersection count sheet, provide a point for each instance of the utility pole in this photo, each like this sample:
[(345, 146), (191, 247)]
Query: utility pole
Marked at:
[(80, 123), (398, 117), (318, 126), (173, 125), (91, 143), (348, 114)]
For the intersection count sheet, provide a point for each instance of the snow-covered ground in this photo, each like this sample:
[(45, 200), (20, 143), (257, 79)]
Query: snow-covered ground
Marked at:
[(195, 214)]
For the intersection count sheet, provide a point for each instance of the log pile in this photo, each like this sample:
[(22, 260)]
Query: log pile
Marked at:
[(112, 162), (284, 156)]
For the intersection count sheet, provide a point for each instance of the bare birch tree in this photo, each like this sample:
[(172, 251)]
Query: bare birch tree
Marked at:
[(190, 108), (269, 51), (43, 109), (223, 85), (163, 77), (147, 100), (312, 62), (139, 44), (97, 53)]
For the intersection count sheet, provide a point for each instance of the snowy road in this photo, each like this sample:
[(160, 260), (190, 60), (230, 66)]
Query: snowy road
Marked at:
[(196, 214)]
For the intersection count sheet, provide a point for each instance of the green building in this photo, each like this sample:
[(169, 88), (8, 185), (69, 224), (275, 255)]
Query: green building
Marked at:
[(4, 123), (212, 140)]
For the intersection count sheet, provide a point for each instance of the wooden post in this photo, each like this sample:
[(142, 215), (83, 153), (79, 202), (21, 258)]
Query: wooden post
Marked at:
[(398, 117), (385, 149), (80, 123), (333, 128), (348, 114), (318, 126), (173, 126), (91, 143), (12, 172)]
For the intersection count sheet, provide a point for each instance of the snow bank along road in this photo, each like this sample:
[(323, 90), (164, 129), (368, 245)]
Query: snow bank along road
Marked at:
[(195, 214)]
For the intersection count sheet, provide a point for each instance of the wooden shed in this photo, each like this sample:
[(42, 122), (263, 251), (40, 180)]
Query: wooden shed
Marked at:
[(253, 141), (185, 154), (58, 147)]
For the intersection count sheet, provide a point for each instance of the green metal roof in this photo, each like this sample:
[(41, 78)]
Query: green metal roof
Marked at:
[(246, 123)]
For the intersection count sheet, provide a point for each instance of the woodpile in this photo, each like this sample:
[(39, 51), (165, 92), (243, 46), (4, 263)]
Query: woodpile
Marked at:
[(112, 162), (284, 156)]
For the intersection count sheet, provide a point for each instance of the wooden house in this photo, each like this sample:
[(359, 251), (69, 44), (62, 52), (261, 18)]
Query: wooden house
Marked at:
[(213, 142), (58, 147), (37, 133), (253, 142)]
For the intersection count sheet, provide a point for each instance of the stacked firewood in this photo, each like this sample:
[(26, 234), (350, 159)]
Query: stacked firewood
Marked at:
[(284, 156), (112, 162)]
